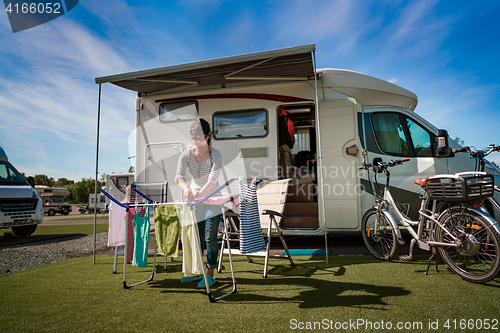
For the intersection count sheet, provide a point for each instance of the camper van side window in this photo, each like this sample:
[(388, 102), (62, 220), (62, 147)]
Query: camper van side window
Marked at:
[(390, 134), (421, 139), (178, 111), (122, 181), (240, 124)]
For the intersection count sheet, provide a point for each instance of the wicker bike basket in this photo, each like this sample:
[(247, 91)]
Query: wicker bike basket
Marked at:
[(466, 186)]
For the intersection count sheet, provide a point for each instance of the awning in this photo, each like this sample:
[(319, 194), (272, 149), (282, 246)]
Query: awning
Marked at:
[(287, 64)]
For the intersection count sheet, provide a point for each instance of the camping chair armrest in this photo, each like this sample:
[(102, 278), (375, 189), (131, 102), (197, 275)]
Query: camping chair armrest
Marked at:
[(231, 214), (272, 212)]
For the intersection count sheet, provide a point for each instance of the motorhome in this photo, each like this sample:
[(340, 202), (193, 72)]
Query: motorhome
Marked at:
[(99, 204), (53, 199), (116, 184), (337, 114), (20, 207)]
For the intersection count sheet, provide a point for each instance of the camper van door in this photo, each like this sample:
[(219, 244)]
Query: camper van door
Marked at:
[(339, 164), (393, 133)]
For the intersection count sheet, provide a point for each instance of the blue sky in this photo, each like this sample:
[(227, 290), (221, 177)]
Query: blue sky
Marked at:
[(446, 52)]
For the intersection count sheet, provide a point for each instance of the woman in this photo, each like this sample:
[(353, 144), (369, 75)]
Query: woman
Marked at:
[(204, 164)]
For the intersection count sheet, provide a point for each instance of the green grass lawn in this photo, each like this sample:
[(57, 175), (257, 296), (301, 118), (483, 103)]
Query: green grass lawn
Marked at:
[(77, 229), (74, 296), (90, 217)]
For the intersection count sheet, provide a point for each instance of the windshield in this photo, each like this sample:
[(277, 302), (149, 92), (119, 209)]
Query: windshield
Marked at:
[(10, 176), (58, 199)]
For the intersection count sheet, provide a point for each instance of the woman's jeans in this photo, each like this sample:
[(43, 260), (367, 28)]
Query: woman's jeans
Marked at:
[(209, 217)]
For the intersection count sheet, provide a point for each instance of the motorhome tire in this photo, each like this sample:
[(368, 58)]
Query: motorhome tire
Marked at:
[(24, 230), (52, 212)]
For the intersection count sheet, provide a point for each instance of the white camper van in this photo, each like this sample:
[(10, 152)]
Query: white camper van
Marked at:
[(116, 184), (20, 207), (100, 203), (336, 115), (53, 199)]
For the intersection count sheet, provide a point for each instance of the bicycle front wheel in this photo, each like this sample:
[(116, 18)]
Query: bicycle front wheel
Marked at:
[(477, 256), (381, 241)]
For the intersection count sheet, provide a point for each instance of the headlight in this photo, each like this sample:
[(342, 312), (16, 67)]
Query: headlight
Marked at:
[(34, 195)]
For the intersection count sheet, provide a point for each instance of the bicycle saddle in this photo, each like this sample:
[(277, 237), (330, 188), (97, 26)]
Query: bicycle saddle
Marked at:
[(420, 181)]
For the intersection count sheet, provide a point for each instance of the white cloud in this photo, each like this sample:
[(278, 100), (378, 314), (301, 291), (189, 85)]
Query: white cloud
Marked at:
[(117, 15), (49, 100), (242, 28), (411, 19)]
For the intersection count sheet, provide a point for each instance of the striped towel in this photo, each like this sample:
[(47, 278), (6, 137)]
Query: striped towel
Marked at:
[(251, 238), (192, 262)]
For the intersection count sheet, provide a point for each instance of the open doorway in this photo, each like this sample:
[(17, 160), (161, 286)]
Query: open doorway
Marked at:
[(297, 160)]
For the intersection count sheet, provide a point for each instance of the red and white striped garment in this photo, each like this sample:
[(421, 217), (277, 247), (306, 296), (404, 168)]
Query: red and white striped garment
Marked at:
[(130, 231)]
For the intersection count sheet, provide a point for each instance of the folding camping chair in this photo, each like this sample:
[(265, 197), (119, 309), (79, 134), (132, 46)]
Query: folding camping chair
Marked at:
[(271, 198)]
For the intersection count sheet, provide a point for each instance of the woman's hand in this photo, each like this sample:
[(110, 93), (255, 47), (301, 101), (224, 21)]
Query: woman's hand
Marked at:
[(188, 195), (199, 196)]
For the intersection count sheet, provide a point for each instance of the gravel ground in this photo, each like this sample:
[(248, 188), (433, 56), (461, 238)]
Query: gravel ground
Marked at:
[(20, 257)]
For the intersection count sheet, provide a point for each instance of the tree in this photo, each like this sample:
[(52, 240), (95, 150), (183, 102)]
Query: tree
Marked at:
[(64, 182), (44, 180), (79, 191)]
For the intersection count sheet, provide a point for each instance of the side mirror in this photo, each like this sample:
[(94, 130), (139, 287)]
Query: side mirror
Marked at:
[(442, 147), (31, 181)]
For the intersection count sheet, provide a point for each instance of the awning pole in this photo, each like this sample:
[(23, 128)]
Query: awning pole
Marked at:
[(96, 169), (320, 158)]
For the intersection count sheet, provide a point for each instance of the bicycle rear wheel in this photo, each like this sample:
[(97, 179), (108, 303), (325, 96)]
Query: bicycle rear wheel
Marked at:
[(477, 258), (381, 242)]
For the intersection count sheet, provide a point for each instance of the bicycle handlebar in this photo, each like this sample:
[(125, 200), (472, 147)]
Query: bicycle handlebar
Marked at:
[(400, 161), (461, 150), (478, 153), (385, 165)]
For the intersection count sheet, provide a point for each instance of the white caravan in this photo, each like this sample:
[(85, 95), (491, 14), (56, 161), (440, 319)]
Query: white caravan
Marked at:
[(337, 114), (53, 199), (116, 184), (100, 203)]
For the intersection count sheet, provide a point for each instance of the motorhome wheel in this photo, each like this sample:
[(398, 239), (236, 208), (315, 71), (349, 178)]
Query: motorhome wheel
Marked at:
[(24, 230)]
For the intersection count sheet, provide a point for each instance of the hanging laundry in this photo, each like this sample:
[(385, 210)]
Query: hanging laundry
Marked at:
[(192, 262), (116, 231), (251, 238), (117, 222), (141, 227), (130, 234), (167, 230)]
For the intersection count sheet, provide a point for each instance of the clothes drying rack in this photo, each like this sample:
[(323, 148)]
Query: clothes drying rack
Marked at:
[(158, 194), (192, 206)]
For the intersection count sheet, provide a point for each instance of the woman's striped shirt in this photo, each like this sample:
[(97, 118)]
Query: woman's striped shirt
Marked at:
[(201, 173)]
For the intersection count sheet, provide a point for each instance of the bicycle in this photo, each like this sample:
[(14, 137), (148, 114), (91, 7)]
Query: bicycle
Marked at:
[(478, 156), (467, 239)]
